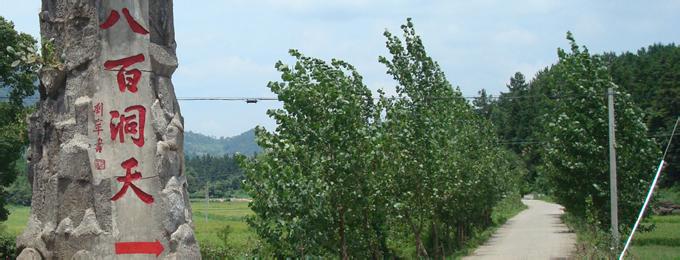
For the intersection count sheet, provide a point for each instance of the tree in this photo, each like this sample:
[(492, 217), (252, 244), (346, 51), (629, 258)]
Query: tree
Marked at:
[(17, 80), (444, 172), (221, 173), (513, 121), (312, 186), (483, 104), (515, 117), (576, 141), (651, 76), (342, 175)]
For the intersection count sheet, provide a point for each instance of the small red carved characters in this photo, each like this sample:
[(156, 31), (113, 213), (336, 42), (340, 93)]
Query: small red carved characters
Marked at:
[(99, 146), (100, 164), (115, 16), (98, 126), (132, 124), (98, 109), (127, 182), (127, 79)]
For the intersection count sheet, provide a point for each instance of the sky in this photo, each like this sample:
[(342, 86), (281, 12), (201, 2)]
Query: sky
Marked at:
[(229, 48)]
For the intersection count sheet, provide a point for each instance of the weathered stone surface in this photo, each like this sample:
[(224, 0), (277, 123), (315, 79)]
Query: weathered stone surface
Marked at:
[(183, 243), (29, 254), (163, 62), (73, 215), (83, 255)]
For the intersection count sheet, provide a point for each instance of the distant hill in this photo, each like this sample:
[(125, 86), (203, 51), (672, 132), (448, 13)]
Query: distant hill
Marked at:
[(199, 144)]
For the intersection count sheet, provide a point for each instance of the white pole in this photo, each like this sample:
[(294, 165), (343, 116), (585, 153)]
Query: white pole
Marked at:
[(644, 208), (613, 193), (651, 190)]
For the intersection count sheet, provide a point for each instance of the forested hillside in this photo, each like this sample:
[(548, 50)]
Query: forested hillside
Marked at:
[(218, 174), (200, 144), (651, 76)]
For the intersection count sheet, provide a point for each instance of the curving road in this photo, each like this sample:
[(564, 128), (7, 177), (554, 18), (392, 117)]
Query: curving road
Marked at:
[(535, 233)]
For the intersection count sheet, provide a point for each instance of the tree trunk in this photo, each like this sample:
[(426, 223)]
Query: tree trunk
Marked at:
[(422, 252), (371, 242), (435, 241), (461, 235), (341, 232)]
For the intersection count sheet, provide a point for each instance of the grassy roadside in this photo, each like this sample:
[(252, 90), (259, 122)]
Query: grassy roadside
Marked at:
[(658, 237), (662, 242), (505, 210)]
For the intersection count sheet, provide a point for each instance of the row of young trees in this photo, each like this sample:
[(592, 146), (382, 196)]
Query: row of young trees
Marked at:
[(348, 174), (558, 123)]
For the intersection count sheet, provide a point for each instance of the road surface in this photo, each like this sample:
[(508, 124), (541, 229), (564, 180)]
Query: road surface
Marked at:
[(535, 233)]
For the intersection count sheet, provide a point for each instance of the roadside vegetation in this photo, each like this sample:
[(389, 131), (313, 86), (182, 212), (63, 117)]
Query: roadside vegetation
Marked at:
[(426, 173), (348, 175), (657, 238)]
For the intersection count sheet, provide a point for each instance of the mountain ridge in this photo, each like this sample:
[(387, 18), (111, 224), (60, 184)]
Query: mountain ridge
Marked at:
[(196, 144)]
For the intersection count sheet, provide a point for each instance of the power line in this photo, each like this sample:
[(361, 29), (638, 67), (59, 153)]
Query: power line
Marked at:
[(490, 97), (247, 99)]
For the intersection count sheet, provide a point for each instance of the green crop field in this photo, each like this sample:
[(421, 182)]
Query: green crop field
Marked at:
[(17, 219), (661, 243), (208, 220)]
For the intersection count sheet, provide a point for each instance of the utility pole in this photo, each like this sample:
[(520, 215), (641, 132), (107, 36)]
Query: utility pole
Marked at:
[(207, 200), (613, 194)]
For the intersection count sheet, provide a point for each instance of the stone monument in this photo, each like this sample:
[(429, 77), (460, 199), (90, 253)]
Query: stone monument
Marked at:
[(106, 158)]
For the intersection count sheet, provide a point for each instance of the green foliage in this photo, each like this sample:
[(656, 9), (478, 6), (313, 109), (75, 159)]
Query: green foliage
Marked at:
[(483, 104), (344, 175), (516, 115), (17, 77), (221, 174), (312, 188), (671, 195), (7, 245), (592, 241), (440, 152), (224, 251), (576, 141), (652, 77), (223, 233), (19, 193)]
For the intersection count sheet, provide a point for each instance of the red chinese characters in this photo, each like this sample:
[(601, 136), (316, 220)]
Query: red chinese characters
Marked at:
[(131, 124), (127, 79), (127, 180), (115, 16), (98, 110)]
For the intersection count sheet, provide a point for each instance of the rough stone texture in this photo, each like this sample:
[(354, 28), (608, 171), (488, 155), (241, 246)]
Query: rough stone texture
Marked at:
[(72, 215), (29, 254)]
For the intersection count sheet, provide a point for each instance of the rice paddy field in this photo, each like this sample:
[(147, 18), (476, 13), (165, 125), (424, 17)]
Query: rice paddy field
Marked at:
[(209, 218), (661, 243)]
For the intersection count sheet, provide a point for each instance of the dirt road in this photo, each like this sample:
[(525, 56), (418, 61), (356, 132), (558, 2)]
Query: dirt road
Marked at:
[(535, 233)]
